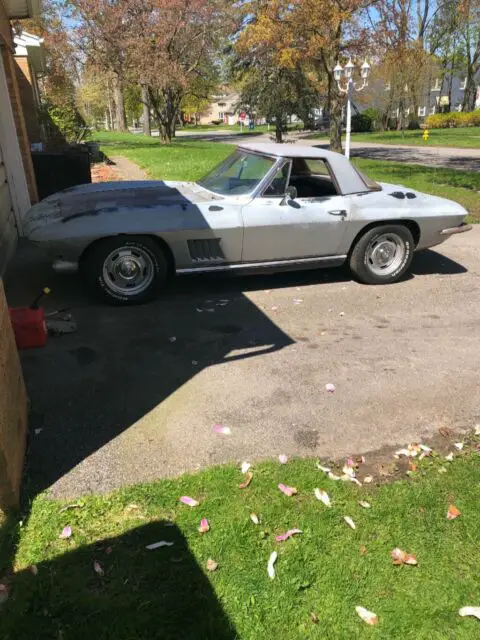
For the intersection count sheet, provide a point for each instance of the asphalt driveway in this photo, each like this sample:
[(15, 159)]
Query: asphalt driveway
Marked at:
[(133, 394)]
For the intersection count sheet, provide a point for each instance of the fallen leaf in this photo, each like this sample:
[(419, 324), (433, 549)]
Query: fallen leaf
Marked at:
[(477, 430), (368, 479), (348, 470), (225, 431), (33, 569), (469, 611), (452, 512), (341, 314), (270, 565), (412, 466), (245, 467), (212, 565), (288, 534), (350, 522), (459, 445), (402, 557), (322, 468), (274, 308), (314, 618), (66, 533), (204, 526), (361, 460), (157, 545), (323, 497), (364, 504), (97, 567), (363, 550), (449, 458), (282, 458), (288, 491), (254, 518), (108, 551), (248, 480), (332, 476), (445, 432), (442, 470), (75, 505), (367, 616), (4, 593), (330, 387), (189, 501)]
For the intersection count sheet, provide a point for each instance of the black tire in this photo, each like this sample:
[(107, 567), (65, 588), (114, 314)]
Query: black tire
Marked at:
[(142, 251), (364, 257)]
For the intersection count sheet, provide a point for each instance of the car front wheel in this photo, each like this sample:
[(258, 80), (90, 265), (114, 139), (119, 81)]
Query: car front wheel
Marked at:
[(382, 255), (126, 270)]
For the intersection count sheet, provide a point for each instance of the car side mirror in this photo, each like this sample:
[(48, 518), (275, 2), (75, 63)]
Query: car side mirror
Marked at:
[(290, 195)]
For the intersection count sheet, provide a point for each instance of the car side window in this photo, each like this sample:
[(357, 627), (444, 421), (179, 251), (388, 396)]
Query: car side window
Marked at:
[(312, 179), (278, 186)]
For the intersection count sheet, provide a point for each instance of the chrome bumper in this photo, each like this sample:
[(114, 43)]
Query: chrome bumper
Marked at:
[(63, 266), (460, 229)]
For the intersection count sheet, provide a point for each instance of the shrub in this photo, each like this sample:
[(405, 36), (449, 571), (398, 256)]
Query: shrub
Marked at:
[(362, 122), (453, 119)]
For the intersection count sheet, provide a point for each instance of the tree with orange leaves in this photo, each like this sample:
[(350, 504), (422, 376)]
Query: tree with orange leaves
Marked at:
[(314, 34)]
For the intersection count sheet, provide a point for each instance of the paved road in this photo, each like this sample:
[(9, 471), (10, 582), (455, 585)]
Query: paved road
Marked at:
[(465, 159), (120, 402)]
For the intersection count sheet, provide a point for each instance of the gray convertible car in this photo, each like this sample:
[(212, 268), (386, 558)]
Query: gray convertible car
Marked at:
[(267, 206)]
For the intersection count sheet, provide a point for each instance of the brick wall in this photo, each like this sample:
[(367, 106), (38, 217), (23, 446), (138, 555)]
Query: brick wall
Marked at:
[(13, 413), (27, 96)]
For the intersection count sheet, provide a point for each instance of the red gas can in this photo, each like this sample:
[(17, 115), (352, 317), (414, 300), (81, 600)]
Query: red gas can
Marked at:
[(29, 327)]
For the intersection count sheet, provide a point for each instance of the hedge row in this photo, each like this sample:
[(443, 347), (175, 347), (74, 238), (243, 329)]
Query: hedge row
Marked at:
[(454, 119)]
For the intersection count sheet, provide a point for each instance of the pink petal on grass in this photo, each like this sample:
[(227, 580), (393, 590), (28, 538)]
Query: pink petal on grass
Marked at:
[(288, 534), (322, 468), (282, 458), (452, 512), (225, 431), (364, 504), (459, 445), (254, 518), (189, 501), (288, 491), (367, 616), (368, 479), (245, 467), (330, 387), (449, 458), (350, 522), (323, 497), (4, 593), (97, 567), (204, 526), (402, 557), (212, 565), (248, 479), (66, 533), (34, 569)]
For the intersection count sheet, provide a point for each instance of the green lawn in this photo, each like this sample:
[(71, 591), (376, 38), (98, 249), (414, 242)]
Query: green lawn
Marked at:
[(191, 159), (327, 570), (465, 137)]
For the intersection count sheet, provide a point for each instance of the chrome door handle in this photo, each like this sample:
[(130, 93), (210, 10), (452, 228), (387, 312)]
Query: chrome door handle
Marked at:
[(338, 212)]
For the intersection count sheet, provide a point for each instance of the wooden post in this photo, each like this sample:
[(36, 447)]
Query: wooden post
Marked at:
[(13, 413)]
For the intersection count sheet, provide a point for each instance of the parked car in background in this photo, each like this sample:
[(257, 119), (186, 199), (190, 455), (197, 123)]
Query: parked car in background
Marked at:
[(267, 207)]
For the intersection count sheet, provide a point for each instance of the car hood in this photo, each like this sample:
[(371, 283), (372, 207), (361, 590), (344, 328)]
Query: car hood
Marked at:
[(109, 197)]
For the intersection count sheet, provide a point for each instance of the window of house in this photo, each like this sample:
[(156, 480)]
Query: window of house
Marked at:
[(406, 113), (463, 85), (221, 115), (436, 86), (433, 108), (422, 111), (458, 107)]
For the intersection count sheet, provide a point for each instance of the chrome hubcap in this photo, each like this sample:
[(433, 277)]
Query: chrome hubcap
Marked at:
[(385, 254), (128, 271)]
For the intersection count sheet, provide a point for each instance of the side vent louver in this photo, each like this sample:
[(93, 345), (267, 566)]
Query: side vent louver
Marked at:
[(205, 250)]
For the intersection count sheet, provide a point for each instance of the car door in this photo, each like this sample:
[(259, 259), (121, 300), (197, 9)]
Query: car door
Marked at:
[(279, 228)]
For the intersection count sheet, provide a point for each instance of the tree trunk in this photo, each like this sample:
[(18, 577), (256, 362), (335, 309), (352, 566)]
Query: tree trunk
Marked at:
[(335, 112), (120, 116), (470, 92), (278, 129), (147, 130)]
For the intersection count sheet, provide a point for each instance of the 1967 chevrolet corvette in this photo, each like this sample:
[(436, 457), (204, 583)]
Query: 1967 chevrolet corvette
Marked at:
[(267, 206)]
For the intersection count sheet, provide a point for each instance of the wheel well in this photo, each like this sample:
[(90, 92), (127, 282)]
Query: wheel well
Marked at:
[(159, 241), (411, 225)]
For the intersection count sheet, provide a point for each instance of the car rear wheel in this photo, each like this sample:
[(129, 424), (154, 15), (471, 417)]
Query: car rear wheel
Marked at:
[(382, 255), (126, 270)]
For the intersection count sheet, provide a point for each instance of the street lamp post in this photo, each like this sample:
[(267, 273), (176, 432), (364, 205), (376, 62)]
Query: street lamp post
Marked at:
[(349, 89)]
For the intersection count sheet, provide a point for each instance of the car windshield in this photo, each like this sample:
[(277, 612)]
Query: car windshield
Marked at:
[(239, 174)]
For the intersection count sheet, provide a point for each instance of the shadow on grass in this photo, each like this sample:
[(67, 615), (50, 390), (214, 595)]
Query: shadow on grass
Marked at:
[(143, 595)]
